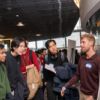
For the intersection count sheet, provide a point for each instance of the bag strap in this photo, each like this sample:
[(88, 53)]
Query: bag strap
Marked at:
[(30, 55), (31, 58), (60, 56), (46, 58)]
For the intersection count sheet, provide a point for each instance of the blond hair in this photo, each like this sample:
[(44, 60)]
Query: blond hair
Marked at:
[(90, 37)]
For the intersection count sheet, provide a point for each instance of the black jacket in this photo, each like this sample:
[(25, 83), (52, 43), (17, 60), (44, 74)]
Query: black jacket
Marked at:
[(56, 60), (13, 70), (17, 82)]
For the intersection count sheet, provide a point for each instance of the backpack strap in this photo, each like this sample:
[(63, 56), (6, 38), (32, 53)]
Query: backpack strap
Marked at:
[(30, 55), (46, 59)]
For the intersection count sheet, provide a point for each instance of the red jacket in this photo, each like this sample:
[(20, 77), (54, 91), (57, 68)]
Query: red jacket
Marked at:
[(25, 60)]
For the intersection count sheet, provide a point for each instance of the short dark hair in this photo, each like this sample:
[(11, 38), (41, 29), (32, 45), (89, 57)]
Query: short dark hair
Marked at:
[(48, 42), (43, 49), (1, 46), (16, 42)]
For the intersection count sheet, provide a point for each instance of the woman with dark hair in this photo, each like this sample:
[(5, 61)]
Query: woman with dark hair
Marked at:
[(13, 68), (28, 61)]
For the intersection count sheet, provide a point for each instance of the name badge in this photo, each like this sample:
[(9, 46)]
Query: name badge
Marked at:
[(88, 65)]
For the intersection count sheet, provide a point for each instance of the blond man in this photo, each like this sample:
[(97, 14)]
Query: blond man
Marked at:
[(87, 71)]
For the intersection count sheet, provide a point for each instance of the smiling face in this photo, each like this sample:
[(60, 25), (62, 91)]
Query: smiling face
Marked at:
[(20, 49), (87, 43)]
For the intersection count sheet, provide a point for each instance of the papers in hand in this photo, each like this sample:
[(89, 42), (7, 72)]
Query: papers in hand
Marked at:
[(50, 67)]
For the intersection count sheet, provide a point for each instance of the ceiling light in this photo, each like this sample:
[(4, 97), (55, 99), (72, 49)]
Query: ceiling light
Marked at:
[(17, 15), (77, 2), (38, 34), (20, 24), (9, 8)]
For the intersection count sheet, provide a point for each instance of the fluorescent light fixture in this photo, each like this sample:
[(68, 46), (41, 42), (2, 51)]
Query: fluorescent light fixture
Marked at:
[(20, 24)]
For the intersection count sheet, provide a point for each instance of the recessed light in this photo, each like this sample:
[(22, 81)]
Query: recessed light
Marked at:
[(20, 24), (17, 15), (38, 34), (9, 8)]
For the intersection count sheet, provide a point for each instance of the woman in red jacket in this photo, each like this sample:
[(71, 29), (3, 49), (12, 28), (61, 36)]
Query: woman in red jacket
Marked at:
[(29, 60)]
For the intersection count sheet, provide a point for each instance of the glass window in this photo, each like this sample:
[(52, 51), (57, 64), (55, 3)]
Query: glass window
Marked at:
[(32, 45), (74, 36), (60, 42), (78, 25), (40, 44)]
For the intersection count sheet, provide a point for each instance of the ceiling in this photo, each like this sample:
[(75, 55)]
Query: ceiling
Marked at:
[(50, 18)]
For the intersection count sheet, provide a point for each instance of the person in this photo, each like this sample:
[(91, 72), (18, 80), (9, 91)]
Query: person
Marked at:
[(18, 86), (28, 60), (53, 57), (87, 70), (77, 56), (64, 55), (42, 56), (4, 83)]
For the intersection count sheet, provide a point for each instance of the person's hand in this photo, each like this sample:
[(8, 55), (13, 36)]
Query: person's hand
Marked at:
[(29, 66), (45, 83), (90, 98), (63, 90)]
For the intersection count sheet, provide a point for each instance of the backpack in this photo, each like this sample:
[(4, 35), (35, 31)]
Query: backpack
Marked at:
[(63, 75)]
